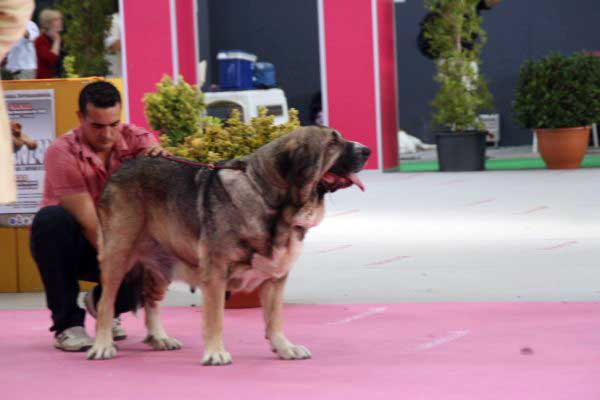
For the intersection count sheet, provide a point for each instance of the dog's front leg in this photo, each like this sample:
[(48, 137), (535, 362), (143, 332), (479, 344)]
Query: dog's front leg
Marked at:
[(271, 297), (104, 347), (213, 294)]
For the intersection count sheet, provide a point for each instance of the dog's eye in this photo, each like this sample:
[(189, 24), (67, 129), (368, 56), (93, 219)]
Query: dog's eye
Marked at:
[(335, 139)]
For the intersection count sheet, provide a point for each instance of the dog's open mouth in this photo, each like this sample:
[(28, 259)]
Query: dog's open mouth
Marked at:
[(332, 182)]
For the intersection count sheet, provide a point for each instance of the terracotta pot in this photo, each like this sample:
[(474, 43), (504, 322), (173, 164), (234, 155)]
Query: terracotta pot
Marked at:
[(563, 148), (243, 300)]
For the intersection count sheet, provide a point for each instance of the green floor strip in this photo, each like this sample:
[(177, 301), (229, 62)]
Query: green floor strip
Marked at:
[(506, 164)]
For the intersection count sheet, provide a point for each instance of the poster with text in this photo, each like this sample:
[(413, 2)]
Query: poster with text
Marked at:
[(31, 115)]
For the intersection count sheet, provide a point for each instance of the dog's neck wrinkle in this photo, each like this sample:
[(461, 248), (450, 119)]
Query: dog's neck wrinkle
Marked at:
[(273, 189)]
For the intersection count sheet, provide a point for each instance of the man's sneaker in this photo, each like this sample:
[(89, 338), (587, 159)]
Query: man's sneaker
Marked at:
[(73, 339), (117, 330)]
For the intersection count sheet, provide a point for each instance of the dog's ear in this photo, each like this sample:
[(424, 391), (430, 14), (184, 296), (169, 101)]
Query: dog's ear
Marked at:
[(300, 165)]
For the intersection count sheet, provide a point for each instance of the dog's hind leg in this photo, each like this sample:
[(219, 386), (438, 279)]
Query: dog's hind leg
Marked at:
[(213, 294), (157, 338), (271, 297), (155, 286)]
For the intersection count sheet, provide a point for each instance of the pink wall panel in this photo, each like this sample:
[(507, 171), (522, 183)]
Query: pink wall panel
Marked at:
[(350, 71), (148, 50), (387, 78), (186, 39)]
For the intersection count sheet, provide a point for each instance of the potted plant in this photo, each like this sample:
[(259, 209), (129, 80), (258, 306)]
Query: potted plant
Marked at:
[(455, 35), (175, 110), (559, 97)]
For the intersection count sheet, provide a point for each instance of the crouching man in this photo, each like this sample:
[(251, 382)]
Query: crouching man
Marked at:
[(63, 233)]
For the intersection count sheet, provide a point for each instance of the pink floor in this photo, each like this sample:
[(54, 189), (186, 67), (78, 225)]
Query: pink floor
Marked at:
[(438, 351)]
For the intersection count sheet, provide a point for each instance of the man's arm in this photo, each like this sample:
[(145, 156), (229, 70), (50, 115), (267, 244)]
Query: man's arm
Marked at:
[(33, 31), (144, 143), (81, 206), (64, 177)]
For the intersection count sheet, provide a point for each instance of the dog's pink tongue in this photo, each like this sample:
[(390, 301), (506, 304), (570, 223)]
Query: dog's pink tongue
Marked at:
[(356, 180), (330, 178)]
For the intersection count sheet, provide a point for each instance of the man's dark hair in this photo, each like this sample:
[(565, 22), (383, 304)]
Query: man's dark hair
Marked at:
[(100, 94)]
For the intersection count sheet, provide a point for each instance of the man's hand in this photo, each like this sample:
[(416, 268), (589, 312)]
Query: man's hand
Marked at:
[(156, 151)]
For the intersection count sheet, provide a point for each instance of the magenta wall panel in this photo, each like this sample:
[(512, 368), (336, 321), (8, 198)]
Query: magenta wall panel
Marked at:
[(186, 40), (359, 86), (350, 70), (387, 83), (148, 50)]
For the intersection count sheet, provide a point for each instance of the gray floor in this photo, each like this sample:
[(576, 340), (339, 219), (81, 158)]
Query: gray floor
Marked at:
[(420, 237)]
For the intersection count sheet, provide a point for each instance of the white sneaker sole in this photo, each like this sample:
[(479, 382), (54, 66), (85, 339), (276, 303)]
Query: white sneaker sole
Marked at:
[(72, 349)]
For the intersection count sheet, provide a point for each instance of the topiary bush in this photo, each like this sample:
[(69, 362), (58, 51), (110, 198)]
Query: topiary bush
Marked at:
[(86, 22), (558, 92), (455, 36)]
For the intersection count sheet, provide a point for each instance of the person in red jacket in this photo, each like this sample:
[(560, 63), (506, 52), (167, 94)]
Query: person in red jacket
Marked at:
[(48, 45)]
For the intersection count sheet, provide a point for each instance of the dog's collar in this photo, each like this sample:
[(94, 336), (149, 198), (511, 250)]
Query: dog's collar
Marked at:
[(238, 166)]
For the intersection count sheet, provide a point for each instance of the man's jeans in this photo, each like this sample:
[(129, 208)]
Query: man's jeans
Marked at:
[(64, 256)]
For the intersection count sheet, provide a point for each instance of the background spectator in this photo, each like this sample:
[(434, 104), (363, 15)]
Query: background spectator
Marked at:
[(21, 59), (49, 44), (113, 47)]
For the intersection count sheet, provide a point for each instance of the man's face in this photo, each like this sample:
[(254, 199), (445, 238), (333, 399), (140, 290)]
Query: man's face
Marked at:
[(100, 126)]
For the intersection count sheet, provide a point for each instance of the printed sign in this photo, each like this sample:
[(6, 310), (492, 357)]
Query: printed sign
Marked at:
[(31, 115)]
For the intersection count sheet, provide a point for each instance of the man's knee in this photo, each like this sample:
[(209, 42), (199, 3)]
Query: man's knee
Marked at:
[(49, 214), (52, 223)]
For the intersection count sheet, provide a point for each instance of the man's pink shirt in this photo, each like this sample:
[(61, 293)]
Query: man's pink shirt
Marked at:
[(72, 167)]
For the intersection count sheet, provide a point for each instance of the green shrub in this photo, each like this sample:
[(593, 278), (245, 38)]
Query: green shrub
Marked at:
[(456, 35), (69, 66), (174, 109), (558, 92), (87, 23), (218, 141)]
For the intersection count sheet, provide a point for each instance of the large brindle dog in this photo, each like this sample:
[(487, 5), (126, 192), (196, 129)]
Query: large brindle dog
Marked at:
[(218, 229)]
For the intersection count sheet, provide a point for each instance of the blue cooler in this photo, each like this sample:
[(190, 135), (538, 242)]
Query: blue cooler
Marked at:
[(235, 70), (264, 75)]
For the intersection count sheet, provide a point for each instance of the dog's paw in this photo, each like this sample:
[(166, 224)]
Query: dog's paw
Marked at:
[(293, 352), (102, 352), (216, 358), (163, 343)]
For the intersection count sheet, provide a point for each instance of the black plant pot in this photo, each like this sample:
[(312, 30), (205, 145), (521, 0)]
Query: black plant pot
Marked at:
[(463, 151)]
